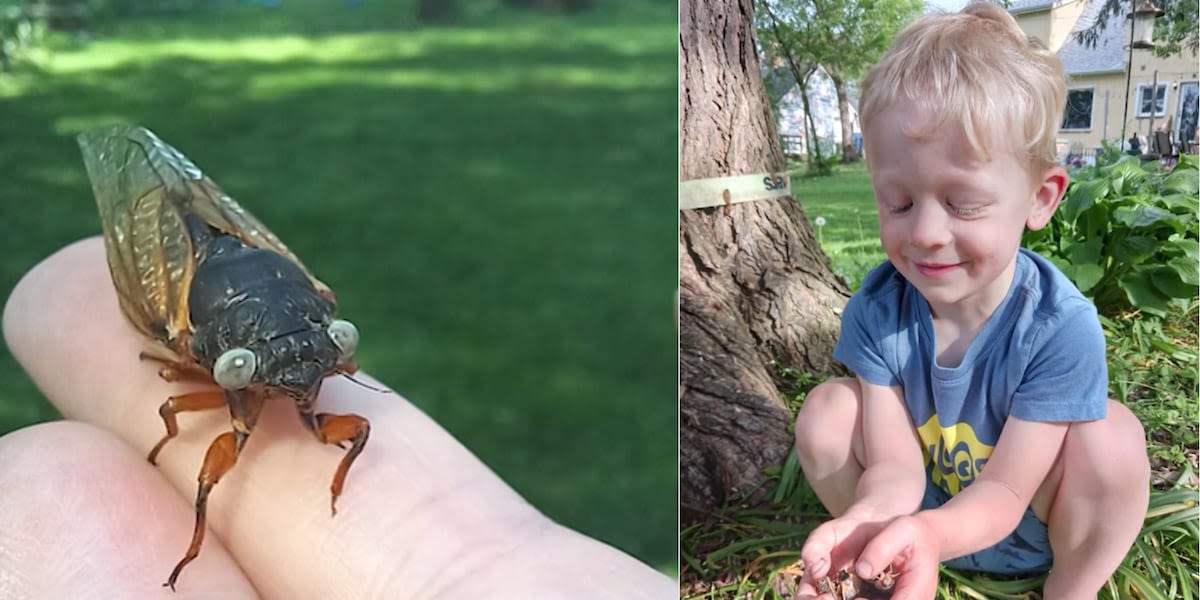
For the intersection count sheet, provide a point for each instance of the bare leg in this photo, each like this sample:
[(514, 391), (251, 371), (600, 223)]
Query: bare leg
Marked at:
[(1094, 502), (829, 442)]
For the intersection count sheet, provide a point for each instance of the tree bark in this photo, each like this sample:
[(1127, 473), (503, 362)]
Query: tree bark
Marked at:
[(756, 291)]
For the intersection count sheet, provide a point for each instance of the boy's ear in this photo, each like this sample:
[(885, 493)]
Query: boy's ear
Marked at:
[(1046, 196)]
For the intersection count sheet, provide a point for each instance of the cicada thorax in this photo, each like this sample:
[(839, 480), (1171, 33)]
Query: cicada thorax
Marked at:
[(252, 298)]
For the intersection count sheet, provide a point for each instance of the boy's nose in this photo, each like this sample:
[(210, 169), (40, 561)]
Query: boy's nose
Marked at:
[(930, 225)]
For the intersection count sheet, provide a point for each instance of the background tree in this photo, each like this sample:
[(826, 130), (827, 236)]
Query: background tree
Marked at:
[(756, 292), (843, 36), (779, 56), (1177, 30)]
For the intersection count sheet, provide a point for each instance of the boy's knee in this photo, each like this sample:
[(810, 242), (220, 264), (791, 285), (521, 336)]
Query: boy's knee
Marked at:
[(827, 418), (1111, 453)]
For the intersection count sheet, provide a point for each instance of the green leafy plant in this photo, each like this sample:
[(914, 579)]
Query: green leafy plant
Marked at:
[(1126, 234)]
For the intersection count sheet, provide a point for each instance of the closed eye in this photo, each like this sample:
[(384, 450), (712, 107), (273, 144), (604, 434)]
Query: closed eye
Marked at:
[(965, 211)]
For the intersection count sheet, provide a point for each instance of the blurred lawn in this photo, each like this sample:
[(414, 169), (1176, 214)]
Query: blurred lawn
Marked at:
[(494, 205)]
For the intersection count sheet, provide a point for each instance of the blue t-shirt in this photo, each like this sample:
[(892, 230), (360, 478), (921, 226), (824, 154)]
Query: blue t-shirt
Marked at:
[(1039, 357)]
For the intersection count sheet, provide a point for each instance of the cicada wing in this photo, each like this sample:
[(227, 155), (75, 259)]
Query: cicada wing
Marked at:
[(149, 251), (143, 188)]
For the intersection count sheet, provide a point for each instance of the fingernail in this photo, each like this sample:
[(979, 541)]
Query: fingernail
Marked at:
[(864, 569), (818, 567)]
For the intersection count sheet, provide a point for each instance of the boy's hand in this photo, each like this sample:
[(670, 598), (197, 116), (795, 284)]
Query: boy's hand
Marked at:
[(836, 544), (912, 549)]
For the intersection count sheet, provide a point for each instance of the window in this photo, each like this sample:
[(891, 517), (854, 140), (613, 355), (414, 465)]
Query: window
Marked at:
[(1144, 102), (1078, 115)]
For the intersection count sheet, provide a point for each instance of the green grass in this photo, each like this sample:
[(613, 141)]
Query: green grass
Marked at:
[(488, 200), (748, 550), (846, 203)]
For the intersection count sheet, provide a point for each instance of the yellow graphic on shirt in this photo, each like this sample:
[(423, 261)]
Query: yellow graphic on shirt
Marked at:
[(953, 454)]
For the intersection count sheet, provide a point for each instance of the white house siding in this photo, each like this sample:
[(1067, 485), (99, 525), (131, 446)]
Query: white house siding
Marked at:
[(822, 98)]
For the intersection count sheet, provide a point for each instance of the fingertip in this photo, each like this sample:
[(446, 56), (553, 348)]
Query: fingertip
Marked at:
[(864, 570), (815, 564), (26, 303), (87, 505)]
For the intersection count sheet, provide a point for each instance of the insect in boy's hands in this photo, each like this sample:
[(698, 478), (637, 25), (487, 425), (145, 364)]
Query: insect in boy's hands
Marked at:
[(849, 586), (223, 299)]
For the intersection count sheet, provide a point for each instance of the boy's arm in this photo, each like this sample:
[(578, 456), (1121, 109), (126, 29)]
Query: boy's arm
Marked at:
[(891, 485), (992, 506), (893, 479)]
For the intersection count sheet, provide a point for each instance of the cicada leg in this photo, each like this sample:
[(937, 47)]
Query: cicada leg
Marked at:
[(174, 368), (338, 429), (184, 403), (244, 408), (221, 456)]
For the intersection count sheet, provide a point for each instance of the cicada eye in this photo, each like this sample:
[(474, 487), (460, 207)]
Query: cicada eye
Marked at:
[(235, 368), (345, 336)]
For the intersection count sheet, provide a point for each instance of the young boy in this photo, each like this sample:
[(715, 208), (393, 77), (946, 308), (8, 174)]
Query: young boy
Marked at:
[(978, 431)]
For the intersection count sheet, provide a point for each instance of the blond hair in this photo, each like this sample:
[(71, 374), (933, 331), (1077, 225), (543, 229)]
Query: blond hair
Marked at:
[(976, 68)]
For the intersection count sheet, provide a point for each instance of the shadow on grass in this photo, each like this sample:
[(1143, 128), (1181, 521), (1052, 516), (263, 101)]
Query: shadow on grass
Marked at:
[(498, 221)]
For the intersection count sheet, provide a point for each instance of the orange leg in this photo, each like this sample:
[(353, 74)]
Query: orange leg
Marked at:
[(221, 456), (336, 429), (184, 403), (175, 368)]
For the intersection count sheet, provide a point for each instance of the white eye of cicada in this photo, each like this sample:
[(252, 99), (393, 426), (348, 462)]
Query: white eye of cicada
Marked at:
[(345, 336), (235, 368)]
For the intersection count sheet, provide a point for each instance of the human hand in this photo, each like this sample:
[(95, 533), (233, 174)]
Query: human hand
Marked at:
[(868, 544), (82, 514), (835, 546), (912, 550)]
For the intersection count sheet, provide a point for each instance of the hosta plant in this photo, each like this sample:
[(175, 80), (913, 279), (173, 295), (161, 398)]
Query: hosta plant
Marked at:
[(1126, 234)]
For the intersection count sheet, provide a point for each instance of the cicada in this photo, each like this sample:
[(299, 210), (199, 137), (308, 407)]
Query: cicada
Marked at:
[(222, 299), (849, 586)]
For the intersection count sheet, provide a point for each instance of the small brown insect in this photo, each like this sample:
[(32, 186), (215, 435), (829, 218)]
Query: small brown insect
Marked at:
[(849, 586), (222, 298), (845, 588), (886, 579)]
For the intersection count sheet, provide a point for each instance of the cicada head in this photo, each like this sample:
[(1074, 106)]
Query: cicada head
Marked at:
[(293, 363)]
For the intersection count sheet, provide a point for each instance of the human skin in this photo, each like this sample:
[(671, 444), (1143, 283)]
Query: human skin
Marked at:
[(951, 223), (83, 515)]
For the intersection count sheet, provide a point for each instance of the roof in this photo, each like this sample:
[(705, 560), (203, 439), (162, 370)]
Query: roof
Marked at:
[(1111, 50), (1017, 7)]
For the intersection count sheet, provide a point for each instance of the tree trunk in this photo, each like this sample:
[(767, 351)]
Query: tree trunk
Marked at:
[(756, 292), (812, 140), (849, 151)]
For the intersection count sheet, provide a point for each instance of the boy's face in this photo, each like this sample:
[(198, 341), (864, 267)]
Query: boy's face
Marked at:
[(950, 223)]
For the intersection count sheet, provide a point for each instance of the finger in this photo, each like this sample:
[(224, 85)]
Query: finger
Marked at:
[(835, 545), (419, 516), (806, 591), (916, 577), (818, 549), (83, 516)]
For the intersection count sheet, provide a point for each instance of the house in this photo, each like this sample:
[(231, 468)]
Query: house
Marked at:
[(1161, 91)]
